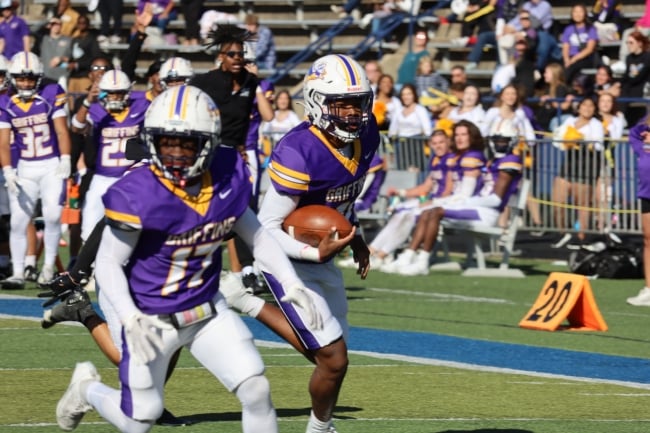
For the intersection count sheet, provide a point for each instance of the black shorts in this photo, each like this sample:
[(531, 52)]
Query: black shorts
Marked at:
[(645, 205)]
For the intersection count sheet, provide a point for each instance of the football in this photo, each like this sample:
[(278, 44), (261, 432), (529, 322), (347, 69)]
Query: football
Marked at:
[(309, 224)]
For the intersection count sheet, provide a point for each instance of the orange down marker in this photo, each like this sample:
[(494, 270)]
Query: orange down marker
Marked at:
[(565, 296)]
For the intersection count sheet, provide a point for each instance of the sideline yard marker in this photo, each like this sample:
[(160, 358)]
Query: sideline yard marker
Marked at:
[(565, 296)]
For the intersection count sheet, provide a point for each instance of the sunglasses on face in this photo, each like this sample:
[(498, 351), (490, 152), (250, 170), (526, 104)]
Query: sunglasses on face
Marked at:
[(98, 68), (233, 54)]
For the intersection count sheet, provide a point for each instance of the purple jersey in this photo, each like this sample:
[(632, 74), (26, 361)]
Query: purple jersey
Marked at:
[(642, 151), (438, 169), (461, 164), (372, 192), (253, 135), (13, 31), (177, 261), (112, 131), (32, 122), (305, 164), (513, 164)]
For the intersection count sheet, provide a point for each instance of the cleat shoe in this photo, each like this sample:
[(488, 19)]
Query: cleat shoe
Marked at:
[(405, 258), (13, 283), (168, 419), (73, 405), (249, 281), (642, 299), (419, 266), (30, 273), (75, 308), (46, 275)]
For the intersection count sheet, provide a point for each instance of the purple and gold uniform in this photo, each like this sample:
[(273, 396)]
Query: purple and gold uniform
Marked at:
[(642, 152), (472, 212), (371, 194), (461, 164), (31, 122), (177, 261), (338, 180), (438, 169), (112, 131)]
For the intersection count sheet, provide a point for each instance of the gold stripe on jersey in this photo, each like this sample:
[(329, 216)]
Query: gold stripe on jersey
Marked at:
[(199, 203), (516, 166), (469, 162), (23, 105), (288, 178), (123, 217), (350, 164), (121, 115), (60, 100)]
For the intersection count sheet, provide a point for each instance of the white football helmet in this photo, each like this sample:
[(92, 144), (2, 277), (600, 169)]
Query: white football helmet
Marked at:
[(182, 111), (115, 82), (25, 64), (502, 137), (175, 69), (4, 73), (331, 79)]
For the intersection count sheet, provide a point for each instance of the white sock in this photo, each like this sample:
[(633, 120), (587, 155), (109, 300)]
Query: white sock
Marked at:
[(247, 270), (30, 261), (317, 426)]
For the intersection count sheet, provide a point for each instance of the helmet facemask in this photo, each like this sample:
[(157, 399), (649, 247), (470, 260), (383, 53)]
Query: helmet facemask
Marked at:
[(115, 105), (501, 145), (343, 116), (28, 93)]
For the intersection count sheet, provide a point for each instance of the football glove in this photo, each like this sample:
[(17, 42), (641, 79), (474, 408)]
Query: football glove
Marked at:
[(142, 334), (301, 298), (57, 289), (12, 181), (64, 168)]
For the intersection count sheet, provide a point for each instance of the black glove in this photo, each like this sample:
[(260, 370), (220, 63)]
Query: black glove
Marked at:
[(58, 288)]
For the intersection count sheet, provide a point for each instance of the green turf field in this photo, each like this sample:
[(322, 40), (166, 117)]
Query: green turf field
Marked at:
[(380, 394)]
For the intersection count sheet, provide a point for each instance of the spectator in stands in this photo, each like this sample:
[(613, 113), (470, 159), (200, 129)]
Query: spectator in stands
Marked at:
[(406, 71), (606, 16), (507, 108), (56, 51), (412, 119), (581, 138), (479, 17), (192, 14), (110, 10), (613, 122), (547, 50), (163, 12), (351, 7), (385, 104), (84, 50), (470, 108), (436, 185), (14, 31), (637, 74), (641, 25), (506, 12), (579, 43), (284, 119), (555, 99), (458, 75), (373, 72), (604, 82), (68, 17), (640, 141), (426, 77), (265, 44)]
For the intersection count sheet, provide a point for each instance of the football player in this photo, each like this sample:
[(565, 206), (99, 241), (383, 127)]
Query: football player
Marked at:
[(167, 295), (34, 114), (175, 71), (497, 182), (324, 161), (116, 116)]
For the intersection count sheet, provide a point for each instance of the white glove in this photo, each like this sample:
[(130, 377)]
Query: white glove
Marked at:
[(63, 169), (11, 180), (301, 298), (143, 337)]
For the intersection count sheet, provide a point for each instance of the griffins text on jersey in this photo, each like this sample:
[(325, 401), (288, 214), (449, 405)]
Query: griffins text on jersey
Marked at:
[(209, 232), (120, 132), (346, 193)]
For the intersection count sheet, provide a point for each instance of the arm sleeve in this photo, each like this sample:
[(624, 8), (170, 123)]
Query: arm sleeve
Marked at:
[(274, 210), (132, 53), (114, 250), (265, 249), (88, 253)]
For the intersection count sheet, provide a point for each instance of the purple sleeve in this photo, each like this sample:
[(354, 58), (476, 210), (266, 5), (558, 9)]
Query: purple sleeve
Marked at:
[(636, 139)]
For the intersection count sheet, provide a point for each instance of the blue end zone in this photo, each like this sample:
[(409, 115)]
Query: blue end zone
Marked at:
[(452, 349)]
